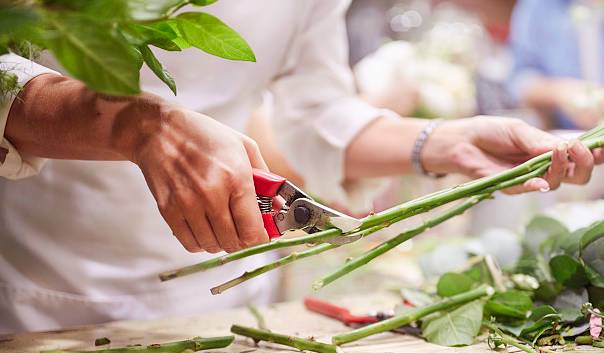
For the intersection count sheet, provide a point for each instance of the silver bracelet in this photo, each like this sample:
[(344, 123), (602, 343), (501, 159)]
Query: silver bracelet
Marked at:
[(416, 154)]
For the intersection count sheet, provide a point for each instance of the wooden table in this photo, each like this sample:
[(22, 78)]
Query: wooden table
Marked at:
[(290, 318)]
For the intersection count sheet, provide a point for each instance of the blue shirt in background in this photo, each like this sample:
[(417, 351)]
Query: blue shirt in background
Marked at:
[(543, 40)]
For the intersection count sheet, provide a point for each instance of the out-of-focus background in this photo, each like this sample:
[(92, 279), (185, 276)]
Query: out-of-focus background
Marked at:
[(453, 59)]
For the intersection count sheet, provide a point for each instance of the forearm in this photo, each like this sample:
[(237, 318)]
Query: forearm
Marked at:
[(542, 94), (383, 148), (58, 117)]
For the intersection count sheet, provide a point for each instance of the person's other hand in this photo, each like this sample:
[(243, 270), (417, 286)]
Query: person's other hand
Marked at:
[(483, 146), (200, 173), (582, 101)]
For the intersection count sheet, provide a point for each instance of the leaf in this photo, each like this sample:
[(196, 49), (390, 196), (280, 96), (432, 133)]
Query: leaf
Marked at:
[(156, 35), (570, 244), (16, 19), (458, 327), (592, 252), (596, 297), (452, 283), (542, 232), (416, 297), (149, 10), (541, 318), (211, 35), (157, 68), (94, 54), (512, 304), (569, 303), (202, 2), (568, 271)]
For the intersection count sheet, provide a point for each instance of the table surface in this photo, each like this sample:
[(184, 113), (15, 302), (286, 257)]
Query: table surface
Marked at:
[(289, 318)]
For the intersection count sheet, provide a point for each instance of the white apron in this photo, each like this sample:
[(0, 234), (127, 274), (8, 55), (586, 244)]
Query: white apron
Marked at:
[(83, 242)]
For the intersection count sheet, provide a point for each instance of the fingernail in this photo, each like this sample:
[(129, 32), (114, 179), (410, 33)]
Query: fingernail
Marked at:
[(544, 189)]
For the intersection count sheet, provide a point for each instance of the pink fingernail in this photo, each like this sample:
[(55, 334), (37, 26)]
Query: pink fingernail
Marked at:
[(544, 189)]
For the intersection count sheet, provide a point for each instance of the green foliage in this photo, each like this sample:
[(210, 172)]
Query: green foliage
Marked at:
[(457, 327), (105, 42), (211, 35), (513, 304), (568, 268), (452, 283), (568, 271)]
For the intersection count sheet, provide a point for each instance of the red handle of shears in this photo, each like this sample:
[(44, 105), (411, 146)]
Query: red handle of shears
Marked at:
[(267, 185), (337, 312)]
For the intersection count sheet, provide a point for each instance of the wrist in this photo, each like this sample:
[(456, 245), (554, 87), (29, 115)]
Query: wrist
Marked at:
[(143, 119), (438, 155)]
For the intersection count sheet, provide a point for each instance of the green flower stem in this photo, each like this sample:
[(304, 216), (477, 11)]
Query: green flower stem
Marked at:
[(290, 341), (294, 256), (392, 243), (514, 176), (412, 315), (194, 344), (508, 340), (254, 250)]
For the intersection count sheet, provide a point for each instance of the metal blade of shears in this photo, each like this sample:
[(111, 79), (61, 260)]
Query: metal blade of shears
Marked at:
[(320, 217)]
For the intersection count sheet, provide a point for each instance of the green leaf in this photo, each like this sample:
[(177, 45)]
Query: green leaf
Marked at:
[(596, 279), (511, 304), (95, 54), (569, 303), (542, 232), (593, 233), (416, 297), (596, 297), (458, 327), (149, 10), (157, 68), (211, 35), (452, 283), (16, 19), (568, 271), (570, 244), (202, 2), (156, 35), (592, 252)]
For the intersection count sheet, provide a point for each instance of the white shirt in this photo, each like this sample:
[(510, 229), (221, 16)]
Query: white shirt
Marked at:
[(82, 242)]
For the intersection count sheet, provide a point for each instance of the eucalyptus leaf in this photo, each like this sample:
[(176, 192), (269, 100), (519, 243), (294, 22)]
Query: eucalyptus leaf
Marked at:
[(157, 68), (452, 283), (568, 271), (211, 35), (458, 327), (95, 54)]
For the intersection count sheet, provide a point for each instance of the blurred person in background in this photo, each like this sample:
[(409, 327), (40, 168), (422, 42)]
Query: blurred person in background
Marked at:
[(558, 48), (89, 248)]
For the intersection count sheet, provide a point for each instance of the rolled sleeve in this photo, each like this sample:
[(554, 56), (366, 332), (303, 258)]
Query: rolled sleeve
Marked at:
[(15, 165), (316, 110)]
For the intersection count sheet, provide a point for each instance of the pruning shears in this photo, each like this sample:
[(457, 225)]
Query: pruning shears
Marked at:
[(344, 315), (297, 210)]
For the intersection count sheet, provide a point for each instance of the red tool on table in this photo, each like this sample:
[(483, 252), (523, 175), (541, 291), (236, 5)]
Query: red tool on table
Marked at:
[(299, 212), (347, 318)]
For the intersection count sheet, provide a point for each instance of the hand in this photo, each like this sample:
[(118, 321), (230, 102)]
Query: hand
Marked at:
[(483, 146), (582, 101), (200, 173)]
